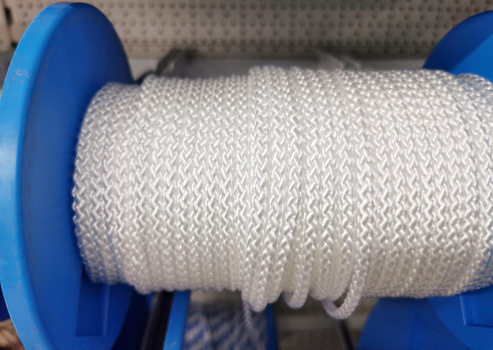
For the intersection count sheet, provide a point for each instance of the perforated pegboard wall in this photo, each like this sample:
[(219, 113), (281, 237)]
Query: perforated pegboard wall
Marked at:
[(149, 28)]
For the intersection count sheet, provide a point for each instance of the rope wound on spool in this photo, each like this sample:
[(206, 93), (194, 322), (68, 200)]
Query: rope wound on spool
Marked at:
[(336, 184)]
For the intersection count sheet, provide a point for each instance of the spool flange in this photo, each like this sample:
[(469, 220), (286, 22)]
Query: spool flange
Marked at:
[(67, 54)]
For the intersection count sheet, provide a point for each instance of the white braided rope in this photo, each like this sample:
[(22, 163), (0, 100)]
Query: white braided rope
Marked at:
[(329, 183)]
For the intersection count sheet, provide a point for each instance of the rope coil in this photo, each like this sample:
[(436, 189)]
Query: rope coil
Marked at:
[(328, 183)]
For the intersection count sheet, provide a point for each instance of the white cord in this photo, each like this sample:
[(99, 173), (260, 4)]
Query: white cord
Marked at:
[(337, 184)]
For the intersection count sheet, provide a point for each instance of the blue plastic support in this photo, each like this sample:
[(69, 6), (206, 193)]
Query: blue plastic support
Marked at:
[(463, 321), (406, 324), (67, 54), (175, 334)]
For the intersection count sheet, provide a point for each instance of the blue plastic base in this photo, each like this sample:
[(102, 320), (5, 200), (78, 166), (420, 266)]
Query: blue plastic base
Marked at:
[(67, 54), (175, 334), (458, 322), (406, 324)]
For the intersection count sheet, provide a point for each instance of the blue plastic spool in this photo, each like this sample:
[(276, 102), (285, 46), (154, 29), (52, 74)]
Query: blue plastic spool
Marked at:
[(462, 321), (67, 54)]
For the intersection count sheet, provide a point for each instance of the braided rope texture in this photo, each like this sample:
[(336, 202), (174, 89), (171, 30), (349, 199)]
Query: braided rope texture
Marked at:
[(337, 184)]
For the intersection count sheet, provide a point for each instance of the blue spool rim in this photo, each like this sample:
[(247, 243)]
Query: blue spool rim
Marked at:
[(68, 53)]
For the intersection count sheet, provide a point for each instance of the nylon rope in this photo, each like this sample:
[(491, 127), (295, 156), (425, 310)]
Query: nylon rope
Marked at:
[(334, 184)]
